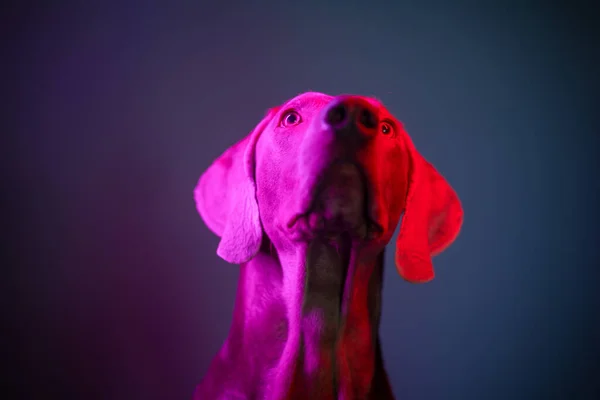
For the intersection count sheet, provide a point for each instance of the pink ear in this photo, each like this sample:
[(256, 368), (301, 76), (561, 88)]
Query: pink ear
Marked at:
[(226, 199), (432, 220)]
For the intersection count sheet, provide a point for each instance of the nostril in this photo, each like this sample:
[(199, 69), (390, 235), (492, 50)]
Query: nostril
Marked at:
[(367, 119), (337, 115)]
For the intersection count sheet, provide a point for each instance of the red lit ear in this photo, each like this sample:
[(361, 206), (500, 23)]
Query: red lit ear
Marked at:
[(432, 219)]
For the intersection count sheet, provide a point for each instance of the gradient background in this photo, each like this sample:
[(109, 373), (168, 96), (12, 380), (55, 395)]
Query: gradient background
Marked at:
[(113, 288)]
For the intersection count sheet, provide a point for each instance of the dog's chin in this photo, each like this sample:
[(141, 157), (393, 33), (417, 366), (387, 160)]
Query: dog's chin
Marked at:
[(339, 206)]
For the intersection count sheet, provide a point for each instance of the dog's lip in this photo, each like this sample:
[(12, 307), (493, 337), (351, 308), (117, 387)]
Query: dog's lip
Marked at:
[(374, 229)]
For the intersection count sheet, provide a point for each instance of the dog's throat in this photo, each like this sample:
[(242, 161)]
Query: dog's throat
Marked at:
[(328, 278), (327, 265)]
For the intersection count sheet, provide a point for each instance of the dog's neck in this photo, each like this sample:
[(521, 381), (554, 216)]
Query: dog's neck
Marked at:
[(336, 308), (306, 322)]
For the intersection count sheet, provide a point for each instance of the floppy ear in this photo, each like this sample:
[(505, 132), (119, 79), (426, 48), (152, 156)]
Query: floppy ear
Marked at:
[(432, 219), (226, 198)]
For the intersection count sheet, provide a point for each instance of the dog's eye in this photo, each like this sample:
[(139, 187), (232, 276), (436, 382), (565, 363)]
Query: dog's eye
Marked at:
[(386, 128), (290, 118)]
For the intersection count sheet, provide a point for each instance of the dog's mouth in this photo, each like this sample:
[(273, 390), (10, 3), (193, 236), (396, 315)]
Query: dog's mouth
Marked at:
[(339, 203)]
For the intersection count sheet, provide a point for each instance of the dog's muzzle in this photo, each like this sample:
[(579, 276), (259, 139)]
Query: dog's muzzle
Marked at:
[(336, 195)]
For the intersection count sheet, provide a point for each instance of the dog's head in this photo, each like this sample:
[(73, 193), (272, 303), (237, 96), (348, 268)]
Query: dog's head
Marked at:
[(322, 165)]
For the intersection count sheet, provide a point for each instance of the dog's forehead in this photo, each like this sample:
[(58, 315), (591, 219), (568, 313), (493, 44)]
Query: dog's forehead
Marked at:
[(305, 100), (318, 100)]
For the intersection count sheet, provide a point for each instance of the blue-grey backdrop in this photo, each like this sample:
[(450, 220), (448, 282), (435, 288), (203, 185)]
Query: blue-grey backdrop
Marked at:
[(115, 290)]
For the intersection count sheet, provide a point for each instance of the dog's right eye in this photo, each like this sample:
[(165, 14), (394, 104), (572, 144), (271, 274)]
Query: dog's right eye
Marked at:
[(290, 118)]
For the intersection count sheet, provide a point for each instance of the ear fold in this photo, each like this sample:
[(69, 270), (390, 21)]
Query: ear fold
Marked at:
[(432, 220), (226, 199)]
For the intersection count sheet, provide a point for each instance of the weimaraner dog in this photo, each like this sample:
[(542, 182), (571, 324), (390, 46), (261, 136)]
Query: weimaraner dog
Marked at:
[(306, 204)]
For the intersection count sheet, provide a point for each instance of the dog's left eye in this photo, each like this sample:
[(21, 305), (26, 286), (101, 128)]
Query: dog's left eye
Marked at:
[(387, 129), (290, 118)]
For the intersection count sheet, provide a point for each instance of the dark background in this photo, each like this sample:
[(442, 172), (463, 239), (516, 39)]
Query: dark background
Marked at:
[(113, 289)]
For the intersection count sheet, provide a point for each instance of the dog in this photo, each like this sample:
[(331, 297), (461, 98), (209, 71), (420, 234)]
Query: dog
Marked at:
[(306, 204)]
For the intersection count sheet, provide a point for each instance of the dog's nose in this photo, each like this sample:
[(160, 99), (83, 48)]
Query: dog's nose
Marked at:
[(352, 116)]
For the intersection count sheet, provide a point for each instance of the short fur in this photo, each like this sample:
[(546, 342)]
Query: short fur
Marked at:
[(306, 318)]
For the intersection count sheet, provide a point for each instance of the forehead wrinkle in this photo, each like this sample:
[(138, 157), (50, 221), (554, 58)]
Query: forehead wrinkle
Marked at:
[(307, 100)]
